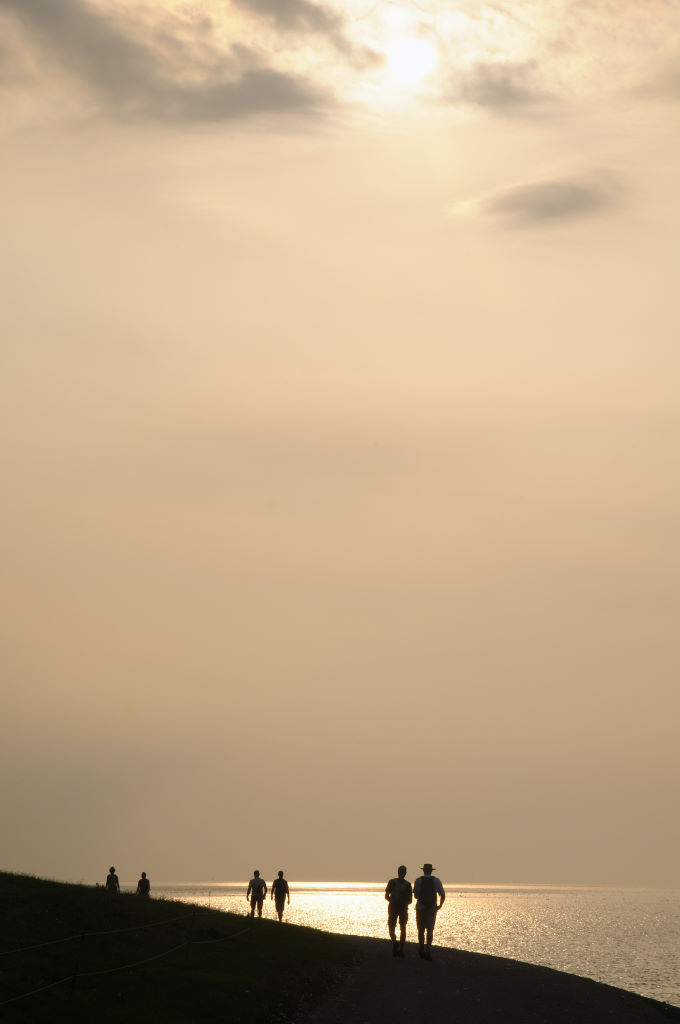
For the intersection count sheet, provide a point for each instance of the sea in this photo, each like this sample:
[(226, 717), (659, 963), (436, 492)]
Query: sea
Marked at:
[(629, 938)]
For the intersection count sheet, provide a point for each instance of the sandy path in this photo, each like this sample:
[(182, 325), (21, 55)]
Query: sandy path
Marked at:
[(467, 987)]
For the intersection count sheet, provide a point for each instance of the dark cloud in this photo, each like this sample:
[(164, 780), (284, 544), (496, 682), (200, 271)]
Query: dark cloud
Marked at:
[(298, 15), (139, 74), (304, 17), (544, 202), (504, 87)]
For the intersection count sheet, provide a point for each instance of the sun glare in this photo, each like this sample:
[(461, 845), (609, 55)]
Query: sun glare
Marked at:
[(410, 60)]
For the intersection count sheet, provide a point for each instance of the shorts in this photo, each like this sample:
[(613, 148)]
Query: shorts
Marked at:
[(397, 912), (426, 915), (256, 902)]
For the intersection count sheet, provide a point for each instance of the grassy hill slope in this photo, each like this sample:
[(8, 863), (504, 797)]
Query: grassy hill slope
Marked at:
[(75, 953), (114, 958)]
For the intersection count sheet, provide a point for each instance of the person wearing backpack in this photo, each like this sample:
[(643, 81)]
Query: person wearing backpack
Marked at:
[(426, 890), (399, 895), (143, 885), (280, 893)]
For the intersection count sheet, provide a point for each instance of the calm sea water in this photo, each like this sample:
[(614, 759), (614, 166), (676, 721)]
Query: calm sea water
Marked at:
[(629, 938)]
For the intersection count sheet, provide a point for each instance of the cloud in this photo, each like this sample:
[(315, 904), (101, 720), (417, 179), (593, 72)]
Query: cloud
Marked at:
[(664, 86), (159, 73), (305, 18), (502, 86), (545, 202), (298, 15)]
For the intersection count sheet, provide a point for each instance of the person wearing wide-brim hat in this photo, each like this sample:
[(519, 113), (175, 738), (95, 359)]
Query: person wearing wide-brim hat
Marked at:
[(426, 889)]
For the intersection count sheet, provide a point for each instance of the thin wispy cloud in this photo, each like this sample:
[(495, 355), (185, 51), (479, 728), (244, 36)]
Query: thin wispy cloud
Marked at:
[(663, 86), (546, 202)]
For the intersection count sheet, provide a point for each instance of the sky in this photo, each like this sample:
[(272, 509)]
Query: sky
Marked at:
[(340, 411)]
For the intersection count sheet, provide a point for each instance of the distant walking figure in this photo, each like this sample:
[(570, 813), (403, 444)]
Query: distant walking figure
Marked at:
[(426, 890), (399, 894), (112, 884), (257, 890), (280, 893), (143, 885)]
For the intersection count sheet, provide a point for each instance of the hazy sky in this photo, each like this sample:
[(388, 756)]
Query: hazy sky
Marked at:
[(340, 438)]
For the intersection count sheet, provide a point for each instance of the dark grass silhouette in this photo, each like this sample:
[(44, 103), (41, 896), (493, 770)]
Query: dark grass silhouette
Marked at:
[(173, 962), (168, 961)]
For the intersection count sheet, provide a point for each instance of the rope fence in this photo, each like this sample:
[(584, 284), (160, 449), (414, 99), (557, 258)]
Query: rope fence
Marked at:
[(79, 935), (76, 975)]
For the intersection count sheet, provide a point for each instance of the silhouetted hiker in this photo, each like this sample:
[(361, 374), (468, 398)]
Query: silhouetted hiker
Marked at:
[(112, 883), (399, 894), (426, 890), (280, 893), (143, 885), (257, 890)]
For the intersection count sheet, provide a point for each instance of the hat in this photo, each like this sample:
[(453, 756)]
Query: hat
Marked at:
[(427, 868)]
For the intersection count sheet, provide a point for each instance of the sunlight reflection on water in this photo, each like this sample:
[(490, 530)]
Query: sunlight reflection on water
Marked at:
[(623, 937)]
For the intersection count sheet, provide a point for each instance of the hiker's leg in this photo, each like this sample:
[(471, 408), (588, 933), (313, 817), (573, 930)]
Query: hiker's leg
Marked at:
[(431, 918), (420, 925), (392, 923)]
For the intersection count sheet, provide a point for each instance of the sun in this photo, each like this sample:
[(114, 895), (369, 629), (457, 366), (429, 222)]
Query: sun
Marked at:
[(410, 60)]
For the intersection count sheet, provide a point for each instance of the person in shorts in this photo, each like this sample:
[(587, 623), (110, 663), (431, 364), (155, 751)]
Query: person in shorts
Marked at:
[(143, 885), (399, 895), (280, 893), (257, 890), (426, 890), (112, 884)]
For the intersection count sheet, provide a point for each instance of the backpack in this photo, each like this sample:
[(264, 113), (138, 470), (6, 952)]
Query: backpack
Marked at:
[(400, 892), (426, 893)]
